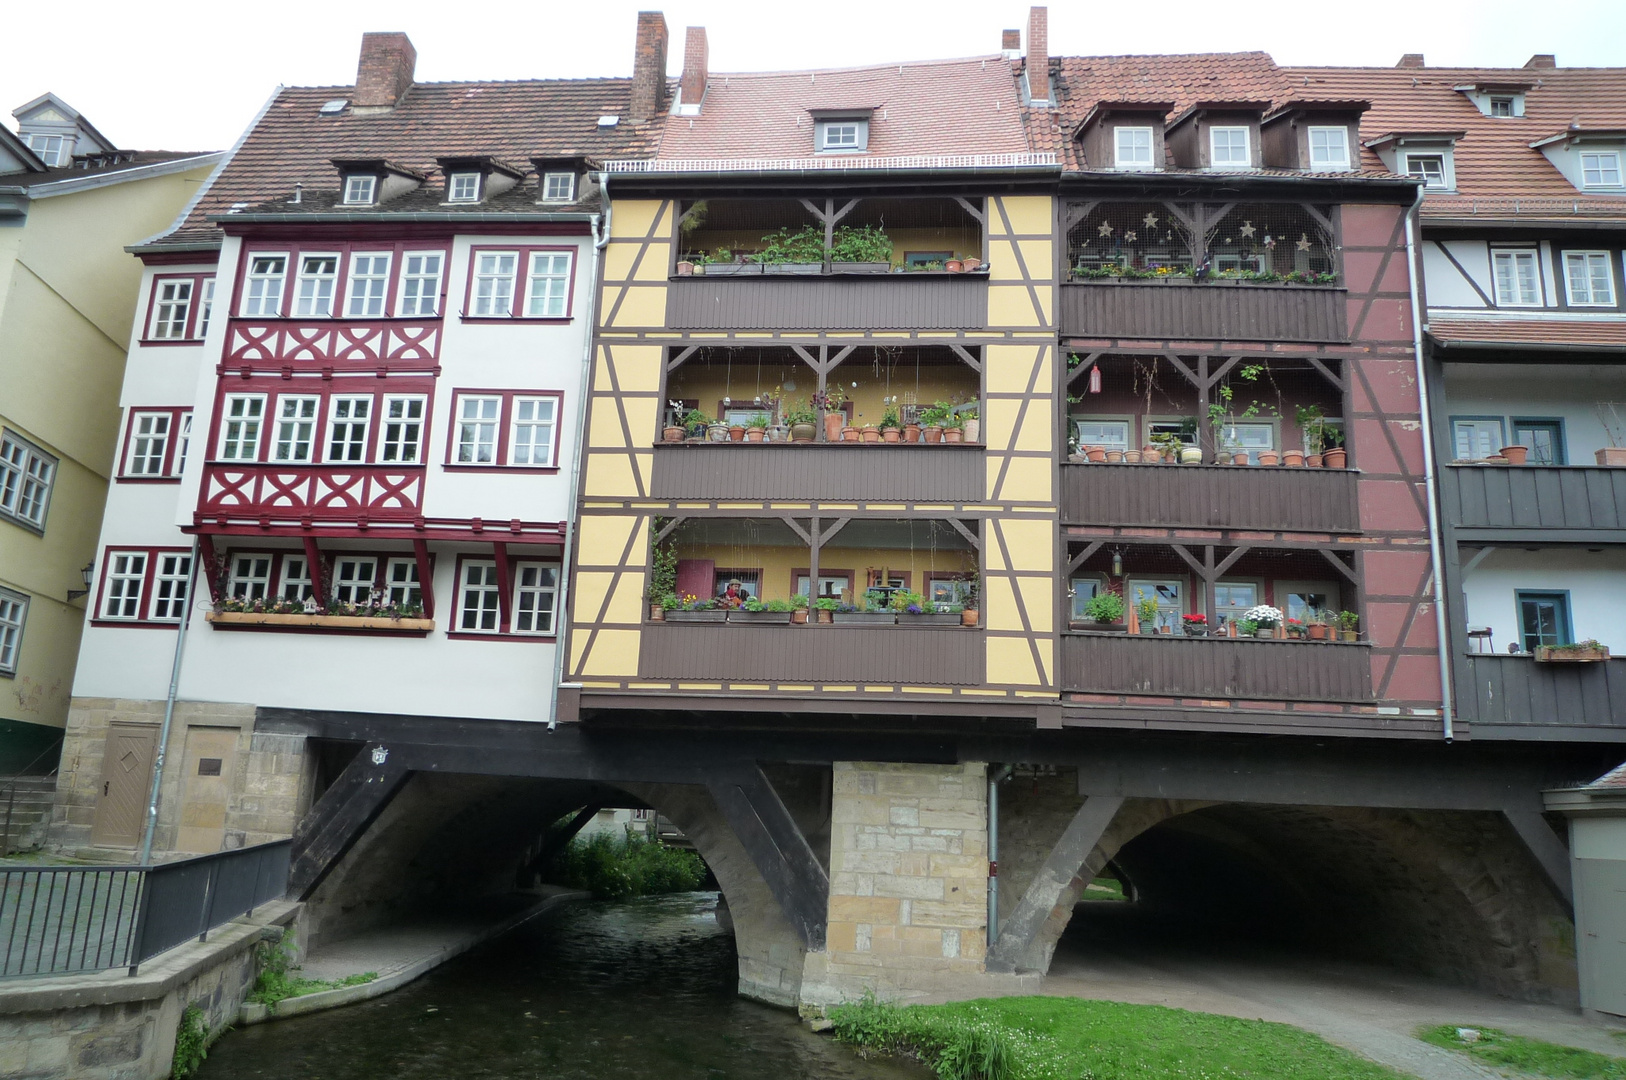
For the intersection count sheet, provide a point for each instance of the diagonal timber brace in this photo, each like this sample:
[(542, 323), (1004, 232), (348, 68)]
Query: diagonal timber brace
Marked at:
[(778, 849), (344, 812)]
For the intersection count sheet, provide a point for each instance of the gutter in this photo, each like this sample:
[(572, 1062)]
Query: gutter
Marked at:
[(1418, 315), (832, 177), (350, 217), (169, 713), (71, 185), (1527, 346)]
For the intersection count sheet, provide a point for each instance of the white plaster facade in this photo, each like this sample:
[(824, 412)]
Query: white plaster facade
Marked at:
[(1594, 579)]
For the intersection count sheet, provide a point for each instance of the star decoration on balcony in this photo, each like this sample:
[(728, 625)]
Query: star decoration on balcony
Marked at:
[(1247, 229), (1129, 237), (1303, 242), (1150, 221), (1105, 229)]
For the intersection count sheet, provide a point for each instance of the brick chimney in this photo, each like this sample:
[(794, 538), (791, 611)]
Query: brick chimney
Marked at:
[(1010, 41), (1038, 62), (1542, 60), (694, 68), (385, 73), (1411, 60), (649, 67)]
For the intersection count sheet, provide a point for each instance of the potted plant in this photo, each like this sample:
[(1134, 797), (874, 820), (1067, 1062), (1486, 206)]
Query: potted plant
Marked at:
[(756, 428), (803, 421), (1194, 624), (933, 417), (1580, 652), (717, 431), (826, 606), (1244, 628), (1293, 459), (663, 560), (891, 426), (971, 263), (1333, 455), (911, 431), (1151, 454), (1264, 618), (723, 261), (829, 402), (1516, 455), (736, 432), (1269, 457), (757, 610), (693, 609), (872, 611), (861, 249), (1191, 455), (695, 423), (1348, 621), (685, 268), (1106, 611), (1316, 626), (798, 609), (1314, 426), (870, 433), (1293, 629), (851, 434), (673, 433), (787, 252), (1146, 608), (1132, 457)]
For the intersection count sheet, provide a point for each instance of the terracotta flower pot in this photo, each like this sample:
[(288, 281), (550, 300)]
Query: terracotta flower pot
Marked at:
[(798, 618), (932, 433), (1293, 459), (1334, 459), (717, 432), (1152, 456), (736, 433), (955, 266), (657, 613), (911, 433), (1269, 457), (871, 433), (672, 434), (1132, 457), (685, 269), (968, 617), (833, 423), (953, 434), (891, 434), (826, 616), (1312, 461), (1516, 455), (850, 434), (1318, 631), (971, 264), (1097, 454), (1115, 457), (755, 434)]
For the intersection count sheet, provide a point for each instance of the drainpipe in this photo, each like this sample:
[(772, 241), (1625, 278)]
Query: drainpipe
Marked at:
[(601, 236), (169, 713), (1418, 314), (993, 852)]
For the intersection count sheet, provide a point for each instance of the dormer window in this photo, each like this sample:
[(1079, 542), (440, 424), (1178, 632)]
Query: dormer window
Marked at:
[(1132, 148), (51, 149), (558, 187), (1502, 106), (1600, 169), (1329, 149), (463, 187), (1430, 169), (360, 190), (846, 134), (1229, 147)]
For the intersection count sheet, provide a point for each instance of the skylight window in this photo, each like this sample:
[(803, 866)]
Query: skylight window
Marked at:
[(464, 187), (359, 190), (608, 121), (334, 107)]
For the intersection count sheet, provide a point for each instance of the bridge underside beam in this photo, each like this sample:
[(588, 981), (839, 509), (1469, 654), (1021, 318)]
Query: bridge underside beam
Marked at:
[(342, 814), (1069, 866), (781, 853)]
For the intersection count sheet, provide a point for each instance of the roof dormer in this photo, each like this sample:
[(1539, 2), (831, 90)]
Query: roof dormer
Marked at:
[(474, 178), (841, 131), (372, 181), (1124, 135), (55, 131), (1313, 136), (1593, 159), (1502, 98), (561, 180), (1217, 135), (1428, 156)]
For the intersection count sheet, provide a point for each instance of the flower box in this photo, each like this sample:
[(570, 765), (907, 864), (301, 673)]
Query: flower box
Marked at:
[(1583, 653), (870, 618), (228, 619), (730, 269), (740, 615), (860, 267), (712, 615), (932, 618), (793, 268)]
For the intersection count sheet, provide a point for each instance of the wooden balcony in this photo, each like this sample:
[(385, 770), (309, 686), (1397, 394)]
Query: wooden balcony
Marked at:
[(342, 344), (1516, 697), (823, 302), (736, 652), (1211, 496), (1212, 311), (1537, 502), (357, 494), (828, 472), (1216, 667)]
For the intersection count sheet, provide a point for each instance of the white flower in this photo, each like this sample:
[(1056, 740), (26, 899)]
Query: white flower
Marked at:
[(1263, 614)]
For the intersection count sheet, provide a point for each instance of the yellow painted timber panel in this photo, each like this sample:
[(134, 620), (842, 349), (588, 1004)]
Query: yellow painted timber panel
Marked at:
[(999, 604), (604, 421), (609, 475), (1039, 600), (618, 260), (1038, 428), (1027, 213), (626, 599), (1012, 305), (637, 367), (1031, 542), (591, 586), (601, 539), (615, 653), (633, 218), (1010, 660), (1026, 479), (640, 307), (1010, 368)]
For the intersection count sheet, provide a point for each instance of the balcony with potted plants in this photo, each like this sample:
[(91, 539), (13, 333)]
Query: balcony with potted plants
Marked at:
[(1169, 269), (829, 263), (1218, 442)]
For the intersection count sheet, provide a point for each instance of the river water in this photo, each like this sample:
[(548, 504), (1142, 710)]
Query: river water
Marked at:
[(643, 990)]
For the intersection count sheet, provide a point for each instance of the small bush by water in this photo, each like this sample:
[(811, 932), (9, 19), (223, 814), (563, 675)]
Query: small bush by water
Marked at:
[(192, 1042), (277, 981), (621, 867), (1496, 1047)]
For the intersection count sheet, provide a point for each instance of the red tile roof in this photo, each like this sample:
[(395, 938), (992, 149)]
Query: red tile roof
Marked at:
[(1614, 778), (1589, 332)]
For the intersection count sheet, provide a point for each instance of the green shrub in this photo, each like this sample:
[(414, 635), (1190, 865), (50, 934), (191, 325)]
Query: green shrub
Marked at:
[(954, 1047), (277, 982), (621, 867), (1105, 607), (191, 1043)]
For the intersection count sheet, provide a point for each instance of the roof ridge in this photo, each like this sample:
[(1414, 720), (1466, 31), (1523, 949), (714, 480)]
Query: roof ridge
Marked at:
[(983, 58)]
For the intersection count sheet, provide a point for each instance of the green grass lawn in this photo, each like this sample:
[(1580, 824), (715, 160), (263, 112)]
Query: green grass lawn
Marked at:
[(1529, 1056), (1048, 1038)]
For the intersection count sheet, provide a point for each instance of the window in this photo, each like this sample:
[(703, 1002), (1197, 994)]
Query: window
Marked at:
[(296, 428), (533, 431), (1083, 590), (1166, 594), (1298, 599), (347, 428), (1184, 429), (494, 283), (830, 585), (844, 135), (558, 187), (1517, 281), (420, 285), (126, 574), (1229, 146), (1589, 278), (264, 293), (174, 304), (185, 442), (206, 307), (745, 583), (316, 277), (1332, 429), (505, 428), (13, 612), (250, 577), (1133, 147), (1545, 438), (1544, 619), (478, 604), (358, 190), (403, 430), (477, 430), (1429, 168), (1600, 169), (1249, 438), (51, 149), (149, 444), (1501, 106), (550, 285), (240, 434), (1232, 598), (296, 579), (1329, 149), (536, 585), (369, 278), (353, 579), (1476, 438), (401, 586), (26, 475), (464, 187), (1107, 434)]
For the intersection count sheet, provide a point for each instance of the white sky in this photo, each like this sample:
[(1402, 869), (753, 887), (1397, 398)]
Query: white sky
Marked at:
[(190, 75)]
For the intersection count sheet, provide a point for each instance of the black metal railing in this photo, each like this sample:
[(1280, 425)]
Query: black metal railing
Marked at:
[(58, 920)]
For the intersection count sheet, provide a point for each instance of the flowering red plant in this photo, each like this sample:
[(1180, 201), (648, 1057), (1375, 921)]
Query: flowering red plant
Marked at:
[(1195, 620)]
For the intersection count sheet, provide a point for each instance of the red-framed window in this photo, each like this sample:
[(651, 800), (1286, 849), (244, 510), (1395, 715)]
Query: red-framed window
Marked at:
[(505, 429), (359, 280), (340, 421), (143, 586), (178, 309), (505, 595), (155, 444), (529, 282), (353, 577)]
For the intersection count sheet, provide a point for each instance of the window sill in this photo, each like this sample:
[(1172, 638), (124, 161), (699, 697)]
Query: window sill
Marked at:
[(547, 470), (136, 624), (148, 480), (475, 635), (529, 320), (250, 620), (154, 343)]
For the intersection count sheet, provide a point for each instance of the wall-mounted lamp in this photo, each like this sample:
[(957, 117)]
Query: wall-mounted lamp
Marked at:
[(88, 571), (1118, 563)]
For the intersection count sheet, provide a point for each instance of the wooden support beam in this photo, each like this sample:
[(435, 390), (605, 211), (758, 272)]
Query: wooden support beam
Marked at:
[(344, 812), (1082, 557), (828, 534), (1334, 377), (807, 358), (505, 587), (1180, 365), (1210, 589), (842, 353), (683, 354), (426, 576), (795, 528), (837, 215), (1190, 560), (666, 530), (1322, 219), (965, 354), (1338, 564), (965, 204), (1549, 851), (777, 847), (206, 552), (1230, 560), (1479, 557), (816, 210), (974, 539), (1073, 213), (313, 566)]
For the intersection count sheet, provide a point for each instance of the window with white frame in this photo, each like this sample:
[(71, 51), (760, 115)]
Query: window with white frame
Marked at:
[(262, 293), (1517, 278), (420, 284), (295, 583), (121, 591), (359, 190), (296, 428), (1232, 598), (206, 304), (1107, 434), (353, 579), (369, 280), (1167, 594), (401, 586), (348, 421), (1329, 149), (402, 441), (51, 149), (1589, 278), (1158, 430), (1081, 590), (535, 587), (477, 430), (1501, 106), (26, 477), (1600, 169), (171, 577), (185, 442), (549, 285), (317, 273), (1477, 438), (250, 577), (843, 135), (1429, 168), (479, 602), (13, 613), (494, 283), (558, 187), (1228, 147), (171, 306), (533, 429), (149, 443), (1249, 438), (830, 585), (1132, 147), (463, 187)]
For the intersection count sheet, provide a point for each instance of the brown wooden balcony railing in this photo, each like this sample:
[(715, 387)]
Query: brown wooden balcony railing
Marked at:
[(838, 472), (344, 344), (1211, 311), (730, 652), (1516, 696), (1211, 496), (1216, 667), (364, 493), (815, 302), (1574, 498)]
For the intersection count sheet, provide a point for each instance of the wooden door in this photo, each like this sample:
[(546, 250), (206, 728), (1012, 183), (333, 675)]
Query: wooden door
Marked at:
[(121, 803), (1600, 918)]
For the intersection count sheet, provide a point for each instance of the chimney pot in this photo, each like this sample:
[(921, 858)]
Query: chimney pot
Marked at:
[(384, 74), (1542, 60), (1411, 60), (1010, 41), (694, 68), (1038, 62), (648, 68)]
